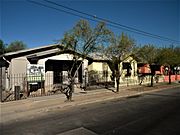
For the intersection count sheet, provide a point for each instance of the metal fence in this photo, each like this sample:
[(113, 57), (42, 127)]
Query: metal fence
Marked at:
[(21, 86), (100, 79)]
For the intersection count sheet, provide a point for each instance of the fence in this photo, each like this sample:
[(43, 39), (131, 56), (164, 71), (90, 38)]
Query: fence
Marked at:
[(13, 87), (99, 79), (21, 86)]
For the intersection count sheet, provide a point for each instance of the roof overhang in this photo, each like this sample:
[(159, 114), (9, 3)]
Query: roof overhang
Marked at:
[(29, 52)]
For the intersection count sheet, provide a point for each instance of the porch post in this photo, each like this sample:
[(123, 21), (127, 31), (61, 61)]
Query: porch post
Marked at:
[(1, 87), (2, 81)]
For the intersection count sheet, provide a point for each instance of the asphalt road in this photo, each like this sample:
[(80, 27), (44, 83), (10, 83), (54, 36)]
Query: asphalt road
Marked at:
[(156, 113)]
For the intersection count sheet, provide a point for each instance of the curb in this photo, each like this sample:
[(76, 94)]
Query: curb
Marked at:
[(67, 105), (72, 104)]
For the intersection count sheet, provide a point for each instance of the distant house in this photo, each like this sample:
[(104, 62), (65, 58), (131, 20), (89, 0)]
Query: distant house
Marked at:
[(99, 71), (175, 73), (128, 70), (144, 70)]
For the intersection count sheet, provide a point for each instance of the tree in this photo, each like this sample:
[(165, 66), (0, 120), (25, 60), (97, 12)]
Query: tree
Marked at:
[(120, 48), (15, 46), (177, 53), (82, 40), (169, 57), (2, 47), (148, 54)]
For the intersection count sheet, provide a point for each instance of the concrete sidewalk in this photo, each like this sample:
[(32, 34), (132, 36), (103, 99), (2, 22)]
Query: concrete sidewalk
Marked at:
[(38, 106)]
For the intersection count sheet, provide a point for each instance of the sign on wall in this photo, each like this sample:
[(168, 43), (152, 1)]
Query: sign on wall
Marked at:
[(35, 72)]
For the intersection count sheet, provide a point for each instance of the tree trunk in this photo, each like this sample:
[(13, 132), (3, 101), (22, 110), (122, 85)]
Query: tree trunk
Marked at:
[(169, 74), (170, 77), (152, 75), (117, 83), (72, 79), (71, 89)]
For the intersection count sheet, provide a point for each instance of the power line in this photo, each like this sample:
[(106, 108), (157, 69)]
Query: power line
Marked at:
[(97, 19), (112, 22), (47, 6)]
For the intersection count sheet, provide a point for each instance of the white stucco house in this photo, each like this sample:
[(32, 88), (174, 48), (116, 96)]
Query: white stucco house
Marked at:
[(43, 67)]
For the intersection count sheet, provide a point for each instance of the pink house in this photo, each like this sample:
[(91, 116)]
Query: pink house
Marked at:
[(145, 69)]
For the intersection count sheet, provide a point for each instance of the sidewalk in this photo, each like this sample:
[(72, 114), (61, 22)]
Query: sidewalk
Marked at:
[(38, 106)]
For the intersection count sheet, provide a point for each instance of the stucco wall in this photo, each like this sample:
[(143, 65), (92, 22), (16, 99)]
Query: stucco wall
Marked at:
[(49, 74), (16, 73), (133, 64), (99, 68), (18, 65)]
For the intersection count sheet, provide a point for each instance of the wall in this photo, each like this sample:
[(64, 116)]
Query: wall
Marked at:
[(99, 68), (144, 69), (132, 79), (19, 65), (16, 73), (173, 78), (49, 74)]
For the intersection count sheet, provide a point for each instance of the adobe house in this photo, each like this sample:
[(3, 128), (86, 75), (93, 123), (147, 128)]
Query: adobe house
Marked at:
[(144, 70), (42, 67)]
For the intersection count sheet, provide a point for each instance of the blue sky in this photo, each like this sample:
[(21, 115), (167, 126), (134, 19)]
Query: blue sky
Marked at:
[(36, 25)]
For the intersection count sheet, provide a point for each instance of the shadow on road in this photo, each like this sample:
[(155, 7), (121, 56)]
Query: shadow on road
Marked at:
[(162, 95)]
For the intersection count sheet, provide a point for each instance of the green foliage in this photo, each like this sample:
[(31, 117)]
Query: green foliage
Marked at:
[(12, 47), (15, 46), (159, 56), (120, 48), (84, 39), (148, 54), (2, 47), (169, 56), (177, 53)]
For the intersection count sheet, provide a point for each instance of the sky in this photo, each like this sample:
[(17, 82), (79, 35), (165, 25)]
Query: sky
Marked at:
[(37, 26)]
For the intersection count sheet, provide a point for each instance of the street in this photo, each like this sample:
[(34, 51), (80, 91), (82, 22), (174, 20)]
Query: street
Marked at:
[(154, 113)]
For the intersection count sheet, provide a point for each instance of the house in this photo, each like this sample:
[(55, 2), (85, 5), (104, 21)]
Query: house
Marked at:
[(128, 68), (144, 70), (100, 68), (99, 72), (175, 74), (40, 68)]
